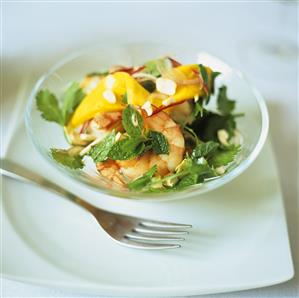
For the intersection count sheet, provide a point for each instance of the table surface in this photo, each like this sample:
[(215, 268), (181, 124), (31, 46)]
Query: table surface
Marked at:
[(37, 34)]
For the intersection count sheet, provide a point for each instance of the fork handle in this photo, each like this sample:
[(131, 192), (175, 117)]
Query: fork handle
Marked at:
[(18, 172)]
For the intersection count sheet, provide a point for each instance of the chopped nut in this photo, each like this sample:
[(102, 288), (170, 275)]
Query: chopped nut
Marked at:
[(87, 148), (110, 80), (201, 161), (117, 137), (170, 182), (147, 106), (166, 86), (223, 136), (109, 96), (220, 170), (93, 83), (156, 182)]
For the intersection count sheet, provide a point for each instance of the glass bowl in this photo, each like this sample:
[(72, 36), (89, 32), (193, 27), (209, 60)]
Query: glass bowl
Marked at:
[(45, 135)]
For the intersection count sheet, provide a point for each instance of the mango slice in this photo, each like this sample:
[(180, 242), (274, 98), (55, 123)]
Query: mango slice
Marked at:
[(95, 102)]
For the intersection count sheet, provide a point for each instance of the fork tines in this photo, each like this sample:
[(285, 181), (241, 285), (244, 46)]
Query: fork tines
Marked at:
[(149, 235)]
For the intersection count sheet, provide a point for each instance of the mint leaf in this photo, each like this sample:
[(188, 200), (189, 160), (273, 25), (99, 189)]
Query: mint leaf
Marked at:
[(127, 148), (223, 156), (204, 74), (189, 166), (192, 173), (100, 151), (144, 180), (225, 105), (159, 142), (132, 121), (66, 159), (47, 104), (70, 100), (204, 149), (209, 81), (203, 171), (187, 173)]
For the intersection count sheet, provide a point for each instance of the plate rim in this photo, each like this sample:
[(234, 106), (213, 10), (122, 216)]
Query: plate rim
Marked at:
[(92, 288)]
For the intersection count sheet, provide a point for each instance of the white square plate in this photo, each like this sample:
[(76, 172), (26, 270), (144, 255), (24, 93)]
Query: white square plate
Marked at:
[(239, 240)]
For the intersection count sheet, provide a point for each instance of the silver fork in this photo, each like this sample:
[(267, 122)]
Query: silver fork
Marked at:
[(126, 230)]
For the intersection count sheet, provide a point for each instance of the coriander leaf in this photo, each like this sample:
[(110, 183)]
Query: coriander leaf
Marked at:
[(70, 100), (144, 180), (159, 142), (100, 151), (66, 159), (187, 180), (188, 166), (225, 105), (223, 156), (47, 103), (204, 149), (202, 170), (192, 173), (187, 173), (132, 121), (127, 148)]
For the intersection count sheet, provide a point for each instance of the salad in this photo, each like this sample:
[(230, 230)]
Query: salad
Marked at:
[(147, 128)]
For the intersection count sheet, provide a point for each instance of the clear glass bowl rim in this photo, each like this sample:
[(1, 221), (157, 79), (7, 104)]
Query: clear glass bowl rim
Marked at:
[(197, 190)]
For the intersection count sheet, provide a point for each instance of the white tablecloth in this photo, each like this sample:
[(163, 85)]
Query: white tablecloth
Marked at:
[(36, 34)]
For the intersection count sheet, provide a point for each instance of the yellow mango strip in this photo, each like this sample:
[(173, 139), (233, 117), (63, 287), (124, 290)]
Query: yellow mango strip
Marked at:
[(184, 92), (189, 91), (136, 94), (95, 102)]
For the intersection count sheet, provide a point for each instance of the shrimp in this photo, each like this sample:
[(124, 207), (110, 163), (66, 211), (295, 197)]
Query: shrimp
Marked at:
[(166, 163), (110, 170), (123, 171)]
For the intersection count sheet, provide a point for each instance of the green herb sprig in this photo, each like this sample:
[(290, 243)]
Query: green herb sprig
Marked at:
[(59, 111)]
